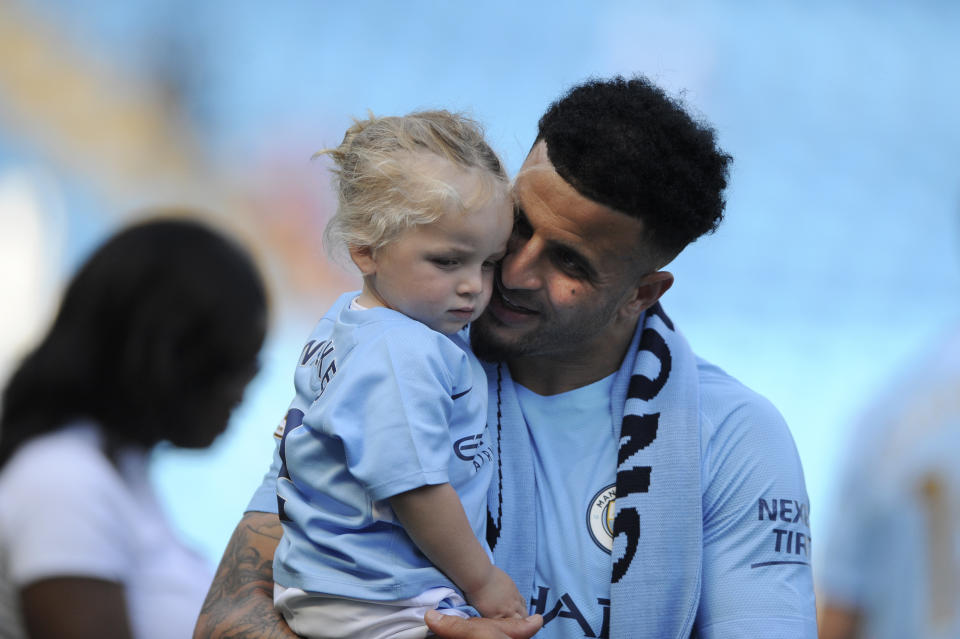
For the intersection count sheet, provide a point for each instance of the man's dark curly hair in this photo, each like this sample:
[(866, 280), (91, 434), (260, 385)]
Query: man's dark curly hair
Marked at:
[(627, 145)]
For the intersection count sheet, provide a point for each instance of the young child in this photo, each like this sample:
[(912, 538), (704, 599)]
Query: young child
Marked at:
[(385, 454)]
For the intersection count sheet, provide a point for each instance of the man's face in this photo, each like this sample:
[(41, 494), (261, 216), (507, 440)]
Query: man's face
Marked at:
[(571, 265)]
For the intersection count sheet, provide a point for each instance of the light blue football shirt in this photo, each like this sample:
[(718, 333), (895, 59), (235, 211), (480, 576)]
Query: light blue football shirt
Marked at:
[(384, 405), (574, 456), (757, 579), (756, 574)]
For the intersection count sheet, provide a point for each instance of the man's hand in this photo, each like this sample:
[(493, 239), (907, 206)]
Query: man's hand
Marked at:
[(452, 627)]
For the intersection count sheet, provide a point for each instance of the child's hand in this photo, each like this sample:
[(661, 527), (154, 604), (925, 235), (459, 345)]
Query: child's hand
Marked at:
[(498, 597)]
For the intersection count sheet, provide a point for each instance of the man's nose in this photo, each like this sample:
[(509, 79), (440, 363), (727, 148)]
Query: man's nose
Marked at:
[(521, 266)]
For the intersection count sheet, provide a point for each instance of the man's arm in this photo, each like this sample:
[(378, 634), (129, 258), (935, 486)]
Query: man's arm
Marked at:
[(239, 604)]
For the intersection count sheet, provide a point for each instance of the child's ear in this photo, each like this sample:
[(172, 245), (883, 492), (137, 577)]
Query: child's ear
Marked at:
[(362, 256)]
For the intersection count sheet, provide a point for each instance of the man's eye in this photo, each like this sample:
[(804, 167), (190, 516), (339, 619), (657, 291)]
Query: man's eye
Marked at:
[(569, 262)]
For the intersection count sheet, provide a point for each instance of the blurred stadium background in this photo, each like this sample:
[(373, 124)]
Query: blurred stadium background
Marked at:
[(838, 258)]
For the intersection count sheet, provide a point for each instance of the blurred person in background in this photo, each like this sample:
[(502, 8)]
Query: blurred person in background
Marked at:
[(891, 565), (156, 337), (639, 491)]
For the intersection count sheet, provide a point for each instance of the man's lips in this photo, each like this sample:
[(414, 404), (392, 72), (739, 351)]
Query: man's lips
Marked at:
[(510, 305)]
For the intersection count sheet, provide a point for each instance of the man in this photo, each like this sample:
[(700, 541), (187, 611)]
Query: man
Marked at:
[(640, 491), (891, 567)]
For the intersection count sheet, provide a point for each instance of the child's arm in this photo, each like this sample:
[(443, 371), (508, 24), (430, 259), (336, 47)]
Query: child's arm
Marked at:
[(433, 517)]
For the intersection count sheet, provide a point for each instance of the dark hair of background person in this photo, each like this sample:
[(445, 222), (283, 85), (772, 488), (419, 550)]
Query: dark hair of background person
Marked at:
[(627, 145), (155, 338)]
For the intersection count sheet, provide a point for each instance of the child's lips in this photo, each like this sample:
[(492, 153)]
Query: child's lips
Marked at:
[(462, 313)]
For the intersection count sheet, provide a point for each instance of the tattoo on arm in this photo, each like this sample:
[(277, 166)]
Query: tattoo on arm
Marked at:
[(239, 604)]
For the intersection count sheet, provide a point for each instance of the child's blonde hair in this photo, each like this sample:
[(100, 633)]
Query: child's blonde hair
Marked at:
[(384, 180)]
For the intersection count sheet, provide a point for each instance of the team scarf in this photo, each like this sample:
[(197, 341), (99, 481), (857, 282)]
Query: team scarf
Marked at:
[(658, 529)]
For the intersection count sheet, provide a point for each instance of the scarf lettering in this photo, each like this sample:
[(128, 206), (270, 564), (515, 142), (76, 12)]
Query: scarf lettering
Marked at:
[(636, 433)]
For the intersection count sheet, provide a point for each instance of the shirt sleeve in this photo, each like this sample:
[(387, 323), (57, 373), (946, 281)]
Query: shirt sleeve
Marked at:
[(757, 579), (66, 517), (264, 498)]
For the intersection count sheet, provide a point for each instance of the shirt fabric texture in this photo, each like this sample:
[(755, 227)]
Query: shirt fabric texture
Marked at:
[(572, 448), (383, 405)]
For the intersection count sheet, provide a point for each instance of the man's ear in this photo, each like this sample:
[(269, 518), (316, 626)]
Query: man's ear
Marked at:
[(649, 289), (362, 256)]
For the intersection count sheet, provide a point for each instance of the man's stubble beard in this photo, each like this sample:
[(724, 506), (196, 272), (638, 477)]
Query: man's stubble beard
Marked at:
[(543, 340), (486, 345)]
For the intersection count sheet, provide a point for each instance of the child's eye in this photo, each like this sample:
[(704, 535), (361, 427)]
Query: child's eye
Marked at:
[(489, 265), (445, 262)]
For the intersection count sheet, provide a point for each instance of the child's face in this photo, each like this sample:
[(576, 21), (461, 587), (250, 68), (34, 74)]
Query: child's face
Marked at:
[(440, 273)]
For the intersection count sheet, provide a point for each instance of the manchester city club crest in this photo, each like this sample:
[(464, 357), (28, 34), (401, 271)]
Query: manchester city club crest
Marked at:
[(600, 515)]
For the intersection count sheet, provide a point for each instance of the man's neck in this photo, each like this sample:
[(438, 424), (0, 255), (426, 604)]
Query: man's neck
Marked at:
[(546, 376)]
